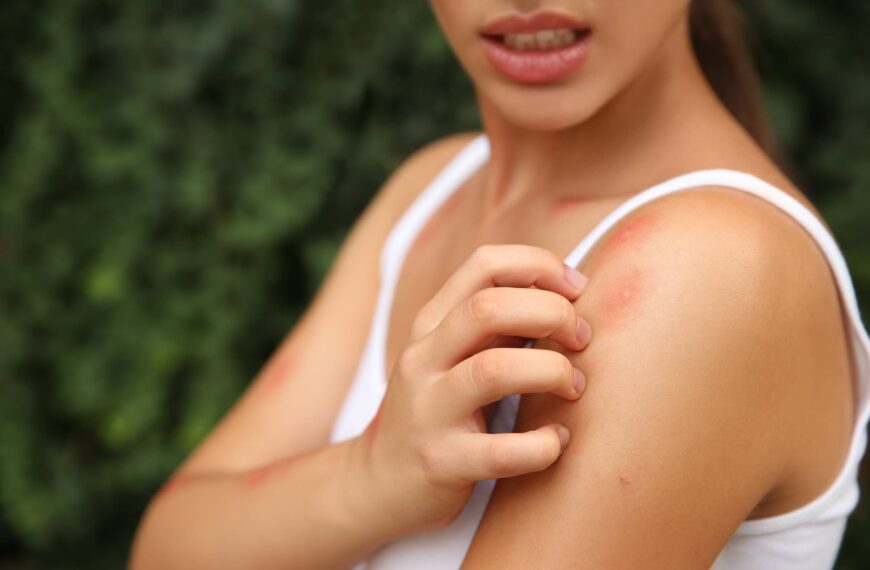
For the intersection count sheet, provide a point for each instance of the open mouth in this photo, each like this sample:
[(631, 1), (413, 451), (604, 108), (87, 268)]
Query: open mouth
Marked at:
[(545, 40)]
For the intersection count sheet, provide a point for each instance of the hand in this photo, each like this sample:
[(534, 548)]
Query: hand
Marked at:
[(429, 444)]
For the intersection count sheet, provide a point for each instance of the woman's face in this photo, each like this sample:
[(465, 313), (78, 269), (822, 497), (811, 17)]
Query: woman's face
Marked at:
[(549, 81)]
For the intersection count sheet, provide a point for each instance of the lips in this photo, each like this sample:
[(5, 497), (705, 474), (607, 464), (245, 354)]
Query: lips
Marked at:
[(546, 61), (539, 21)]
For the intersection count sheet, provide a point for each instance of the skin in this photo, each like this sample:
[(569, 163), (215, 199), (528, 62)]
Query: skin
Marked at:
[(206, 515), (701, 375), (610, 487)]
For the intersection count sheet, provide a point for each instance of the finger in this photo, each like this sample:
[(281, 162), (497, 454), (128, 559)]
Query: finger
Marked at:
[(481, 456), (498, 372), (502, 265), (529, 313)]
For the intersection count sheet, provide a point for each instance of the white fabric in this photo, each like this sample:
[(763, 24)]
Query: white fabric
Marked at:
[(807, 538)]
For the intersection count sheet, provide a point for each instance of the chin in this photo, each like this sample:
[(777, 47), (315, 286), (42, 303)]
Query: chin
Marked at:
[(550, 108)]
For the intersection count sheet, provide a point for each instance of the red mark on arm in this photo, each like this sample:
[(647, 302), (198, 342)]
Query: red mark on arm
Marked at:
[(256, 477), (277, 369), (172, 484)]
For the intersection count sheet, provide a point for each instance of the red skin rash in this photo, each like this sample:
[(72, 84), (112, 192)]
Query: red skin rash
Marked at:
[(256, 477), (624, 298), (631, 233), (372, 429), (627, 289), (278, 368), (173, 484), (561, 206)]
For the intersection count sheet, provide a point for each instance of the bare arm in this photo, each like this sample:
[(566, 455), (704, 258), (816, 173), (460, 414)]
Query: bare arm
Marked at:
[(708, 387), (211, 517), (312, 511)]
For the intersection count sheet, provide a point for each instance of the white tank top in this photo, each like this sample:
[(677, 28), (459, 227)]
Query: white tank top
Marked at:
[(807, 538)]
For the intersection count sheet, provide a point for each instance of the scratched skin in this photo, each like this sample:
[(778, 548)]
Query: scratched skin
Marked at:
[(174, 483), (623, 300), (630, 234), (372, 429), (564, 205), (627, 285), (256, 477), (250, 479), (278, 368)]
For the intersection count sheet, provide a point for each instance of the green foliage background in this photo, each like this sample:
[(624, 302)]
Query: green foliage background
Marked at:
[(175, 178)]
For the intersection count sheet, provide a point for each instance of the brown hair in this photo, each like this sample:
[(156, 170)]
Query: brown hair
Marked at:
[(717, 34)]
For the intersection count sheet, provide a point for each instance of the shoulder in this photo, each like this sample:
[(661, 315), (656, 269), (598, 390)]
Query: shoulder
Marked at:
[(706, 251), (716, 279), (729, 278), (700, 368), (709, 290)]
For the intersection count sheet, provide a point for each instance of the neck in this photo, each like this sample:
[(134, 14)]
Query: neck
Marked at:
[(633, 130)]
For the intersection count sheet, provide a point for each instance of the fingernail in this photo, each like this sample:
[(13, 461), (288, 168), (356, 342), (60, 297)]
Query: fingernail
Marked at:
[(584, 330), (579, 381), (575, 278), (564, 435)]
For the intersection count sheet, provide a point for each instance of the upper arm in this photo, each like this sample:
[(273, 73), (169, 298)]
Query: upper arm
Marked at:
[(692, 383), (290, 406)]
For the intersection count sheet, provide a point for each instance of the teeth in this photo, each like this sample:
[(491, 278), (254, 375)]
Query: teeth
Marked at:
[(543, 40)]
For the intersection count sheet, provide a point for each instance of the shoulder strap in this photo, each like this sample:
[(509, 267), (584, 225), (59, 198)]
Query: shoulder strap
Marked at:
[(840, 498), (448, 179), (747, 183), (401, 237)]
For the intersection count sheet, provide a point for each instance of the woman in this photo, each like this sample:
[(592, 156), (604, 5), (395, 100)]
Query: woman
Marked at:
[(716, 329)]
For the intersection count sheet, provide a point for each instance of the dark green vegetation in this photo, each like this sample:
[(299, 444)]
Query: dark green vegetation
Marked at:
[(175, 178)]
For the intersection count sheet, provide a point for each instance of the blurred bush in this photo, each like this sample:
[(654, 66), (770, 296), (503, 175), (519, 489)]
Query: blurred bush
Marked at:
[(176, 177)]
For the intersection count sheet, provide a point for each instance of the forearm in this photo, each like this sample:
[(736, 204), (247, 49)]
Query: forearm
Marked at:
[(311, 511)]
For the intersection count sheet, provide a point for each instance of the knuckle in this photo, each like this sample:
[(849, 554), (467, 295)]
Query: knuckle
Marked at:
[(483, 306), (549, 259), (486, 368), (484, 256), (499, 460), (408, 364), (420, 326), (431, 460)]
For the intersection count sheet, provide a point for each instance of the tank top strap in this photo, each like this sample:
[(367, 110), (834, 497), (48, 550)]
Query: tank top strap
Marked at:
[(764, 190), (399, 240), (842, 495), (461, 166)]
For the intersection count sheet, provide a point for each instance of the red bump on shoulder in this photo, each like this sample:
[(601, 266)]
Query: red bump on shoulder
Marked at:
[(624, 297), (631, 233)]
